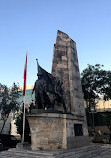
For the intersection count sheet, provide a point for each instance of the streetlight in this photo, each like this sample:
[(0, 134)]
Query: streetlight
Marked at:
[(92, 110)]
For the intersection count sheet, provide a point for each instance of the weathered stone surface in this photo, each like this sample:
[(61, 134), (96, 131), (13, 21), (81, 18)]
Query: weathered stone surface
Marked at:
[(50, 131), (65, 67), (46, 131)]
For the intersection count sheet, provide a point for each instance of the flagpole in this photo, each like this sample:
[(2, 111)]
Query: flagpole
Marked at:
[(23, 122), (24, 93)]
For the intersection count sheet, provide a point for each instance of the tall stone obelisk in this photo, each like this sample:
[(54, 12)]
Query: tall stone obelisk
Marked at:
[(65, 66)]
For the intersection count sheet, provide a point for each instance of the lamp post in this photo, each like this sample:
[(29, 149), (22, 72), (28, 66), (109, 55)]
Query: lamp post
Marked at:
[(92, 109)]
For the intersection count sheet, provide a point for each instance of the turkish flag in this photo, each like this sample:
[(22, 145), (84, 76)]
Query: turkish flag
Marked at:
[(25, 73)]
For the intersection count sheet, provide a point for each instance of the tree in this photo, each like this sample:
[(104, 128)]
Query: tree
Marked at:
[(19, 124), (8, 101), (96, 83)]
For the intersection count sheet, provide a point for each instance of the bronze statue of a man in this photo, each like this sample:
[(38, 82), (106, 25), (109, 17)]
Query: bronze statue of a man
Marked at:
[(41, 98), (46, 86)]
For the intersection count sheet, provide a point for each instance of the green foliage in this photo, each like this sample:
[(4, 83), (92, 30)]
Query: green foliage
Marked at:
[(96, 82), (19, 124), (8, 100)]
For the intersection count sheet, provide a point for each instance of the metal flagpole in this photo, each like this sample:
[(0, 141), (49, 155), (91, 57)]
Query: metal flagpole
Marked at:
[(24, 101), (23, 122)]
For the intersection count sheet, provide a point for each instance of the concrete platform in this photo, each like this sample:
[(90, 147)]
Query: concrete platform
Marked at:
[(93, 151)]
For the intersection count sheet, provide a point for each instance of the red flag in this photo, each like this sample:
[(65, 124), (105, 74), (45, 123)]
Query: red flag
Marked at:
[(25, 73)]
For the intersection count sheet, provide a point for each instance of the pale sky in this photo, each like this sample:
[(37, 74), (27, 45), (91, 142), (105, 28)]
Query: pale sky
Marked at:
[(31, 26)]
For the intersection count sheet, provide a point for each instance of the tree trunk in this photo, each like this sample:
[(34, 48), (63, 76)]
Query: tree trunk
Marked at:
[(3, 126)]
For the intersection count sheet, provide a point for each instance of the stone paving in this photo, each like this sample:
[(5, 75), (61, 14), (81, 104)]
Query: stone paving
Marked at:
[(92, 151)]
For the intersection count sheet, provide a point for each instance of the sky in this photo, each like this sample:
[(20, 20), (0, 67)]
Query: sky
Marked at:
[(31, 26)]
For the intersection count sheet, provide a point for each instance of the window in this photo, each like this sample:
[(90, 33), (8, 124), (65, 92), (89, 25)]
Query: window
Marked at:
[(78, 129)]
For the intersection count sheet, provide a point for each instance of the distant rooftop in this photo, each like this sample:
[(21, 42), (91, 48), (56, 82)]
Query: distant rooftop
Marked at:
[(29, 87)]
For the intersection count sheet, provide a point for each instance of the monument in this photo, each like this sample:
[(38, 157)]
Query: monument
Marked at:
[(59, 120)]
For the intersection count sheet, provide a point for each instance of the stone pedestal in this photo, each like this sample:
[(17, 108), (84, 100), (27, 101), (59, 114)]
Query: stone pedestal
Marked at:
[(52, 130)]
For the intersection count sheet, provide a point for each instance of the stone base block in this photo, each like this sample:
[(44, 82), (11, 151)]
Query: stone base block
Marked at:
[(51, 131)]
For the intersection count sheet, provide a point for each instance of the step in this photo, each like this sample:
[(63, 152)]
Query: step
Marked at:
[(79, 152), (94, 151)]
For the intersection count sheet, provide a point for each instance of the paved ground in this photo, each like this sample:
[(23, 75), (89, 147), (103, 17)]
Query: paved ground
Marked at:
[(93, 151)]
